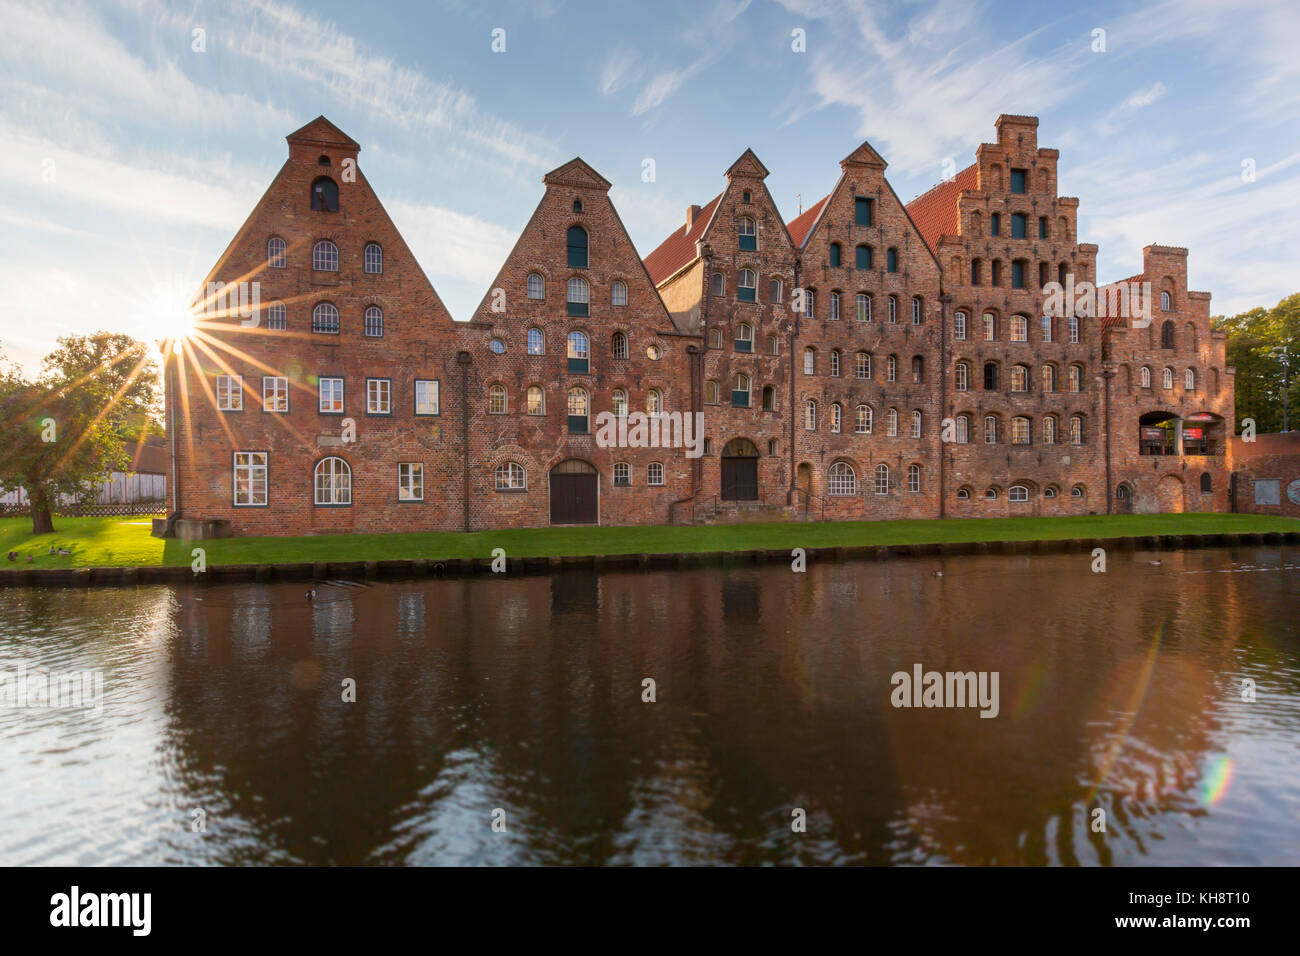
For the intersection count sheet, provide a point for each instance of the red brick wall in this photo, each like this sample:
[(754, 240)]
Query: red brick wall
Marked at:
[(1268, 457)]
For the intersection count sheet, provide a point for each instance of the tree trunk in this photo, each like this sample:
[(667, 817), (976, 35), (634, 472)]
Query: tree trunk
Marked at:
[(42, 520)]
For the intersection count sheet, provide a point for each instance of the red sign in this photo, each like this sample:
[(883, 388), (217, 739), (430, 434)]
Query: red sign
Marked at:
[(1193, 433), (1200, 417), (1153, 434)]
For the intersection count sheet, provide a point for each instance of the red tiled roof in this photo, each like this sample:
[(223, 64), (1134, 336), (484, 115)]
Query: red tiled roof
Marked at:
[(679, 248), (935, 212), (1109, 321), (802, 224)]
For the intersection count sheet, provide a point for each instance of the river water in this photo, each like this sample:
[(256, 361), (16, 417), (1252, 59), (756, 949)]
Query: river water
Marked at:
[(222, 735)]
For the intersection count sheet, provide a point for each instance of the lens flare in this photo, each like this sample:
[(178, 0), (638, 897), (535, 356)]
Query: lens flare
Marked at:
[(1217, 780)]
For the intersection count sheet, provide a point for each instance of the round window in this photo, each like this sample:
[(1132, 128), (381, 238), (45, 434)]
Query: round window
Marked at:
[(497, 346), (654, 352)]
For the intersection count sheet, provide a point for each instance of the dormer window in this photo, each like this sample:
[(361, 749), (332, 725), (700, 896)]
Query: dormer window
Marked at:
[(324, 195)]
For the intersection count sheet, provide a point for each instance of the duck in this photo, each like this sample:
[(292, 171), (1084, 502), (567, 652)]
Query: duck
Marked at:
[(51, 549), (1153, 564), (311, 594), (938, 574), (64, 551), (30, 559), (13, 555)]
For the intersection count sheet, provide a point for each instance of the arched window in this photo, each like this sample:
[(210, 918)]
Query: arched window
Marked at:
[(1074, 329), (1122, 492), (618, 345), (277, 317), (578, 353), (891, 369), (809, 303), (916, 423), (862, 420), (835, 306), (769, 398), (990, 327), (891, 423), (961, 376), (1167, 334), (333, 482), (497, 400), (918, 369), (959, 326), (718, 284), (325, 256), (990, 376), (579, 411), (618, 293), (773, 345), (536, 286), (862, 257), (1166, 302), (882, 479), (747, 291), (715, 338), (916, 310), (1144, 377), (842, 480), (1019, 378), (837, 417), (654, 473), (809, 360), (510, 476), (893, 309), (1046, 322), (579, 295), (374, 258), (654, 402), (1020, 430), (962, 430), (774, 290), (325, 319), (914, 479), (1049, 430), (1019, 329), (1017, 493), (810, 415), (324, 195), (620, 400), (834, 252), (991, 493), (835, 363), (740, 391), (374, 322), (1076, 378), (576, 245), (1167, 378), (1189, 379), (748, 235), (275, 257), (963, 494), (1049, 378), (995, 224), (1049, 491), (536, 342), (990, 429), (862, 365), (1078, 491), (891, 259), (744, 341), (1076, 430), (536, 400), (864, 307)]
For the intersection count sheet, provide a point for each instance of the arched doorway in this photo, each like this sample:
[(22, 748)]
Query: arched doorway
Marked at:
[(740, 470), (575, 493), (1124, 498)]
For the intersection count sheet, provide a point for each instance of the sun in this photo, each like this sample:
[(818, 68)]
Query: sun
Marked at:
[(165, 312)]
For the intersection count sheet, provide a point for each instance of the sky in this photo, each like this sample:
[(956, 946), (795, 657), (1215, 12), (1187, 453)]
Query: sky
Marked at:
[(133, 147)]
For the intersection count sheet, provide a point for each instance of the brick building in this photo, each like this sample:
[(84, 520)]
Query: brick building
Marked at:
[(868, 359)]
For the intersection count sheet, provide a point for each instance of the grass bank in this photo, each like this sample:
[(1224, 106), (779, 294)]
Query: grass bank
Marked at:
[(126, 542)]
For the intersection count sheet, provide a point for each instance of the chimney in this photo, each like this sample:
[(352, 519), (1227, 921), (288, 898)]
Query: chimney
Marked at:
[(691, 213)]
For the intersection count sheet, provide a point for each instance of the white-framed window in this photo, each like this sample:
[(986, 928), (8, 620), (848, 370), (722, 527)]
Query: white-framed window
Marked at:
[(744, 341), (654, 402), (333, 482), (275, 393), (325, 319), (748, 235), (773, 345), (1017, 493), (579, 293), (1189, 379), (250, 483), (891, 423), (837, 414), (835, 306), (842, 480), (536, 342), (1144, 377), (809, 303), (1020, 430), (1074, 329), (622, 474), (914, 479), (990, 327), (536, 400), (747, 288), (1167, 378), (991, 493), (325, 257), (809, 361), (990, 429), (1076, 378), (618, 293), (1049, 378), (916, 311), (577, 344), (654, 474), (1076, 430), (374, 322), (1049, 492), (717, 284), (620, 402), (1166, 302), (916, 424), (862, 365), (961, 376), (891, 369), (1049, 430), (715, 338), (275, 253), (410, 481), (510, 476), (497, 346), (1047, 328), (426, 397), (497, 401), (331, 395), (962, 430), (835, 363), (277, 317), (536, 286), (893, 309), (374, 258), (1019, 329), (579, 411), (774, 290), (864, 307), (862, 420), (1019, 378), (959, 326), (963, 494), (618, 345), (379, 394), (882, 479), (230, 393), (810, 415), (1077, 492)]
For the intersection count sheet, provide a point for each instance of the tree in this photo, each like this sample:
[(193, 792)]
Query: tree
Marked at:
[(63, 433), (1256, 343)]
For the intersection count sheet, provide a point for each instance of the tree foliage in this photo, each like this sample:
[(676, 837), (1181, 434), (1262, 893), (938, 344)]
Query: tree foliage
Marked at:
[(1260, 343)]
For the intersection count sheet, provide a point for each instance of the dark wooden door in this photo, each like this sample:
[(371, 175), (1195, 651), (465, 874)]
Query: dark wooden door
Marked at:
[(573, 499), (740, 479)]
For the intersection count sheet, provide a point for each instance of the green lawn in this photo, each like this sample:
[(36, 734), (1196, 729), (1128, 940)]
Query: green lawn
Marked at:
[(126, 541)]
